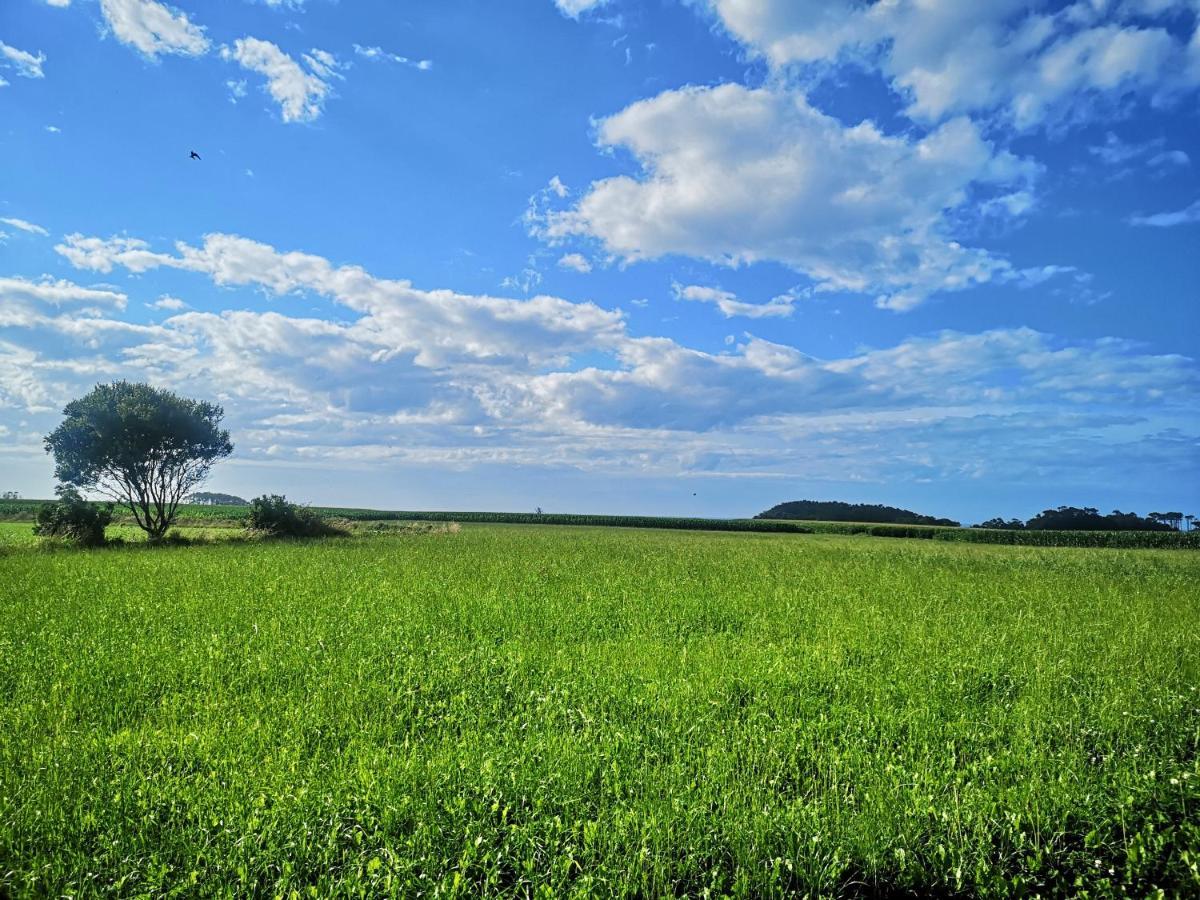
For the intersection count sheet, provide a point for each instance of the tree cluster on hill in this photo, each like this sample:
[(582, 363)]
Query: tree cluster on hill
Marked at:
[(209, 498), (836, 511), (1088, 518)]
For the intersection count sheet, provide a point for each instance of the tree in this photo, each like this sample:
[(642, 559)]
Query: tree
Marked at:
[(140, 446), (205, 498), (999, 523), (73, 518), (1189, 519), (10, 495)]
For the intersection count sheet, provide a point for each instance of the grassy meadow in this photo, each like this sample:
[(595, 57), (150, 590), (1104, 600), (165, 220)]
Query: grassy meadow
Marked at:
[(554, 712)]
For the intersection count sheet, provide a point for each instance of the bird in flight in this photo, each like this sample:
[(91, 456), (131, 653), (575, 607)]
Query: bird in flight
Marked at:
[(194, 155)]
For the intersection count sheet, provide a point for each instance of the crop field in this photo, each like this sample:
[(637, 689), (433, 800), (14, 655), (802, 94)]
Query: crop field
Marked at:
[(553, 712)]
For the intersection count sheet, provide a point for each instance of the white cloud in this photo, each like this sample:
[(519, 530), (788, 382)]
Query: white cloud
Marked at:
[(23, 302), (1116, 152), (434, 325), (300, 94), (167, 302), (488, 357), (730, 306), (1189, 215), (23, 225), (53, 129), (736, 176), (1035, 60), (378, 54), (411, 376), (154, 28), (100, 255), (575, 8), (59, 3), (574, 261), (24, 63)]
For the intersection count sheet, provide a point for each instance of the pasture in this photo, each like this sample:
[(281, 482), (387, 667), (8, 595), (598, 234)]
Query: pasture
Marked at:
[(550, 712)]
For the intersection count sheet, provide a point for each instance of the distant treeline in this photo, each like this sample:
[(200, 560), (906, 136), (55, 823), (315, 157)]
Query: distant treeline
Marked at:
[(836, 511), (209, 498), (1071, 518), (1131, 540)]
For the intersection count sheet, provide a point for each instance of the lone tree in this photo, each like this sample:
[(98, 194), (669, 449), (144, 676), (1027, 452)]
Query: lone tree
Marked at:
[(140, 446)]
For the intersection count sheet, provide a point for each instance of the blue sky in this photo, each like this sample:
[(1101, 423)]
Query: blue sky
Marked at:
[(677, 257)]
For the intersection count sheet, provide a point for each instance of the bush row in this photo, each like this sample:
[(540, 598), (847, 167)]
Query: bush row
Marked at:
[(1150, 540)]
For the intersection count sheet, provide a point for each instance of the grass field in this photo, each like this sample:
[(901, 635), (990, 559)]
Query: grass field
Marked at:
[(538, 711)]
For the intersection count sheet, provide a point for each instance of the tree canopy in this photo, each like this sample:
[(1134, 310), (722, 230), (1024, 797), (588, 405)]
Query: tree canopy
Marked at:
[(141, 446), (209, 498), (837, 511)]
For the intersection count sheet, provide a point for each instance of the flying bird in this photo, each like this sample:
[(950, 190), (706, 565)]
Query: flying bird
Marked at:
[(194, 155)]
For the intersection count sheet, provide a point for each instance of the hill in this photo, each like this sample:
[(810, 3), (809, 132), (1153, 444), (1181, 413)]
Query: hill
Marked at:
[(836, 511)]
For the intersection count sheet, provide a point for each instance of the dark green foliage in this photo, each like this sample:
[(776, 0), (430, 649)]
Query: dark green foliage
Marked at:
[(1070, 518), (143, 447), (272, 514), (73, 519), (836, 511), (1132, 540), (208, 498), (1002, 524)]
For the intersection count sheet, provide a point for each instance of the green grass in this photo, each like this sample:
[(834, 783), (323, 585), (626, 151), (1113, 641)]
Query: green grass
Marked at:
[(589, 712)]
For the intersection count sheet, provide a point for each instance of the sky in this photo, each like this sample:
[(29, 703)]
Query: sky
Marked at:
[(676, 257)]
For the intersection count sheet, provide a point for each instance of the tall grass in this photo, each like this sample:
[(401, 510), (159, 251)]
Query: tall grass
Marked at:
[(581, 712)]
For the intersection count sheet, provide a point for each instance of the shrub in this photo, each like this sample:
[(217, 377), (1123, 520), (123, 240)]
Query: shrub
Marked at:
[(73, 518), (272, 514)]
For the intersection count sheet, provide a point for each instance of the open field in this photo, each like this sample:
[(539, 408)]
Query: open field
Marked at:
[(555, 712)]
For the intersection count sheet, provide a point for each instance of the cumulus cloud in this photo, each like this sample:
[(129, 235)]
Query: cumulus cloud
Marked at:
[(169, 303), (472, 380), (300, 92), (26, 64), (575, 261), (23, 225), (730, 306), (455, 359), (438, 327), (735, 176), (52, 292), (153, 28), (1036, 62), (575, 8)]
